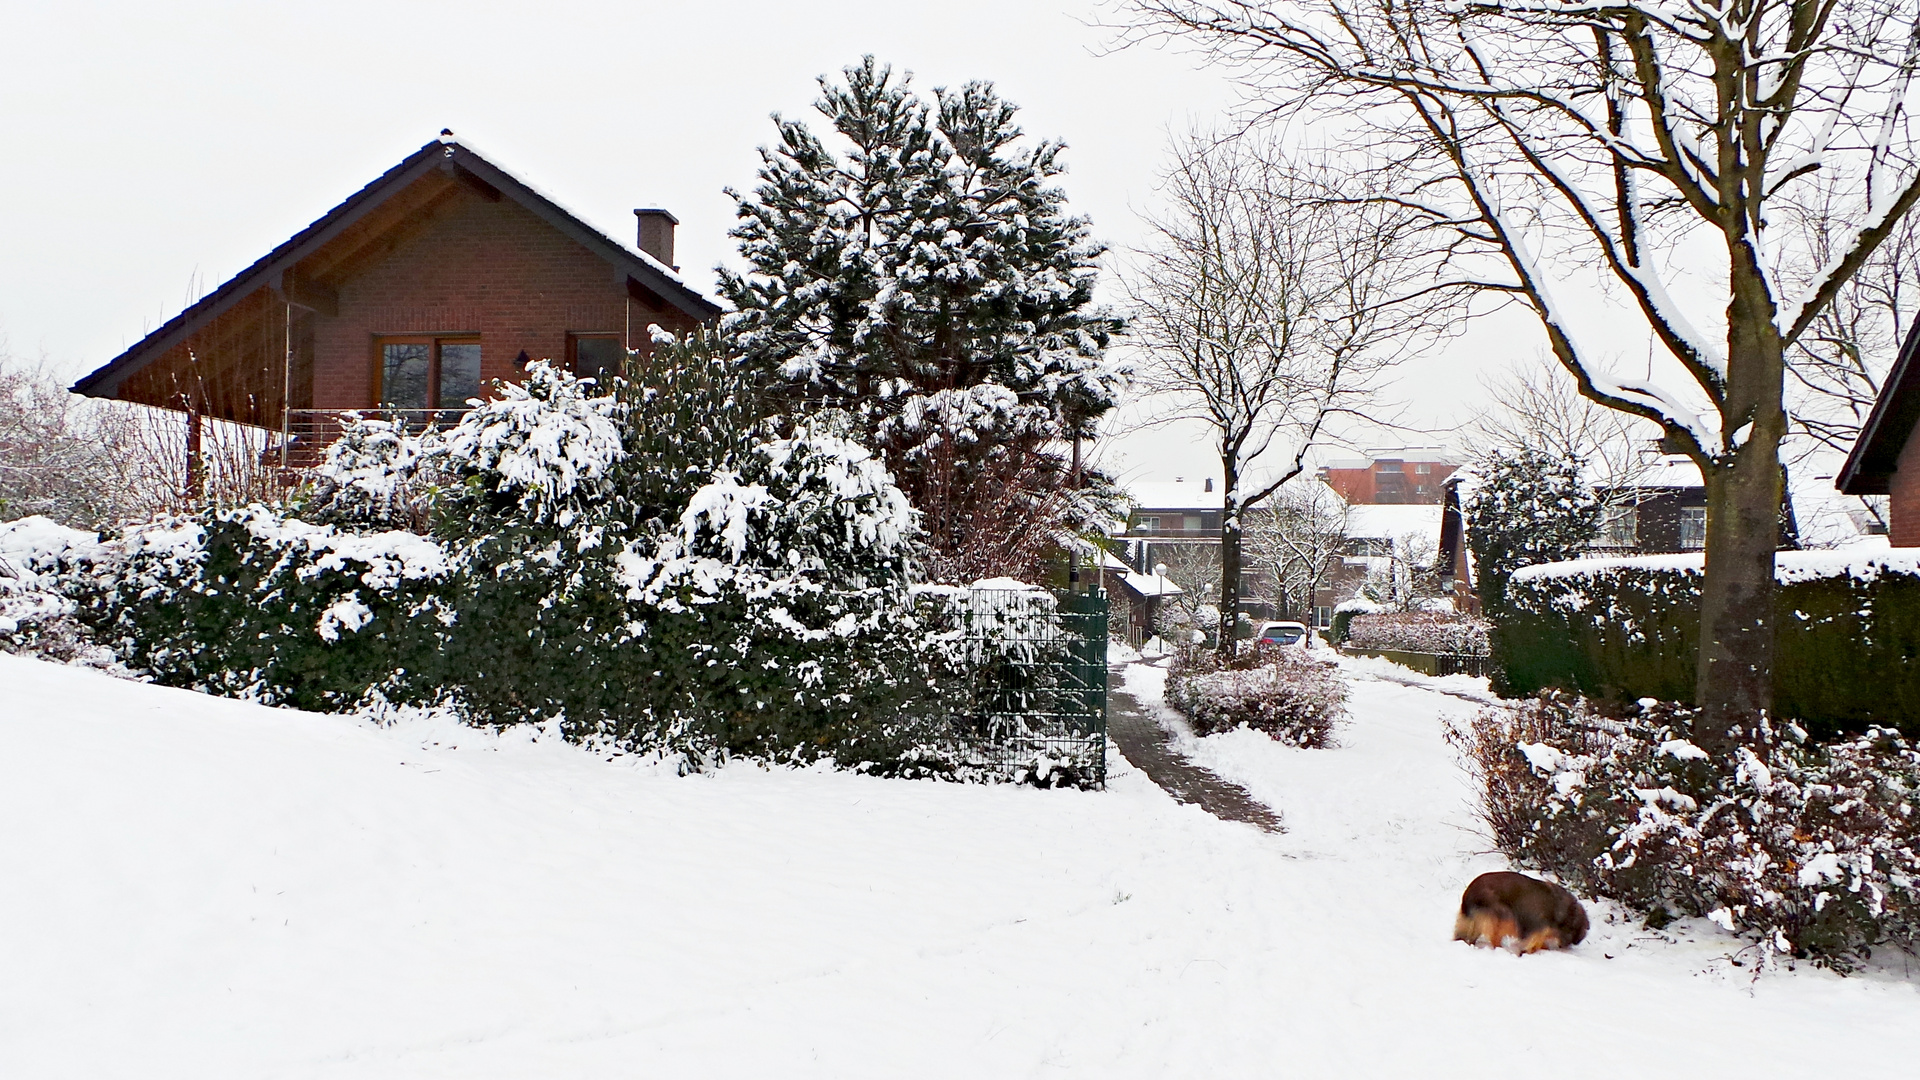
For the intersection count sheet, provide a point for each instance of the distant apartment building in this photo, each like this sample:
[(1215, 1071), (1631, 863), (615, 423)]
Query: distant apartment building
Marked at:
[(1411, 475)]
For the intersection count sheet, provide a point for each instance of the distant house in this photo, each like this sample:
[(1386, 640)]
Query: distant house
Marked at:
[(1411, 475), (1886, 458), (441, 275), (1662, 511)]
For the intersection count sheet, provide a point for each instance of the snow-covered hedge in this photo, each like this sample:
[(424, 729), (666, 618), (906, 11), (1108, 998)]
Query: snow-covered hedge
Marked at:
[(1419, 631), (1281, 690), (39, 559), (1846, 646), (660, 564), (1808, 850), (249, 602)]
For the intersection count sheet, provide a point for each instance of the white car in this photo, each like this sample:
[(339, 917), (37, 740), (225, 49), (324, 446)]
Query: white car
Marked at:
[(1285, 633)]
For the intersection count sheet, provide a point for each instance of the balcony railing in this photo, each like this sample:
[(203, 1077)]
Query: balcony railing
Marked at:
[(310, 431)]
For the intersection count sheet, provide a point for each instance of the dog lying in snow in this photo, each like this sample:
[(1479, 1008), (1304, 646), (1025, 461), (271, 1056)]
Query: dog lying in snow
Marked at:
[(1519, 912)]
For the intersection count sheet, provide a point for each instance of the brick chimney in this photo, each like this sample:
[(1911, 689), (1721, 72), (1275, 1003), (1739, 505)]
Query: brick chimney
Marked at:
[(656, 234)]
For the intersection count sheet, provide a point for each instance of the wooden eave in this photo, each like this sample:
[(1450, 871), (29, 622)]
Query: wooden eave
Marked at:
[(372, 220), (1876, 454)]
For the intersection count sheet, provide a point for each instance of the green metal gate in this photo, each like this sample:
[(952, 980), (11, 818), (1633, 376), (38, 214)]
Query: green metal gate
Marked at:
[(1035, 705)]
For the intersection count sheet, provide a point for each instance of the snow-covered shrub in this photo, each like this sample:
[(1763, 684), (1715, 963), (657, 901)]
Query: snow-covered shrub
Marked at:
[(1808, 850), (1419, 631), (375, 474), (1623, 629), (42, 563), (1281, 690), (249, 602)]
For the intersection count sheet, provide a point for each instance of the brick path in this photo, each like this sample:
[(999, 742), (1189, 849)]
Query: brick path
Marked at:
[(1149, 748)]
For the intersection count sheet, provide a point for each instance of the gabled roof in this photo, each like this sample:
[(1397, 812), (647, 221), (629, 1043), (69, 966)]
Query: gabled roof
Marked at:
[(1876, 454), (444, 153)]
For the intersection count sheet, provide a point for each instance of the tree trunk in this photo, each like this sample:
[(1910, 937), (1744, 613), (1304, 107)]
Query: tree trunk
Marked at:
[(1734, 680), (1735, 676), (1230, 535)]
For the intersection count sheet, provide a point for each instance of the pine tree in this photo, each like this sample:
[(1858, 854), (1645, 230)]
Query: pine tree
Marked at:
[(930, 282), (1528, 507)]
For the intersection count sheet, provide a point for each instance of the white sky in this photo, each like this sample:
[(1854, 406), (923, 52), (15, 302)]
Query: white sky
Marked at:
[(153, 150)]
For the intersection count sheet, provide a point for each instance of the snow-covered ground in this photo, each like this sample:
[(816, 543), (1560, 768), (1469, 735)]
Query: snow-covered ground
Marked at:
[(204, 888)]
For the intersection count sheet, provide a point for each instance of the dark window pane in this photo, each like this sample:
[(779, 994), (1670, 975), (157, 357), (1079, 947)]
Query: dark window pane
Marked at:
[(598, 358), (403, 376), (459, 374)]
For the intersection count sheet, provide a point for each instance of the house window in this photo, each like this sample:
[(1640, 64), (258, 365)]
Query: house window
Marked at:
[(1151, 522), (1693, 528), (1422, 469), (428, 372), (599, 357), (1621, 527), (1389, 466), (1191, 523)]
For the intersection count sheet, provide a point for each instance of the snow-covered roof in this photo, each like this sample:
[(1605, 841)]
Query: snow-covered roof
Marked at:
[(1152, 584), (1410, 453), (1391, 521), (1189, 493), (1828, 519), (1668, 471)]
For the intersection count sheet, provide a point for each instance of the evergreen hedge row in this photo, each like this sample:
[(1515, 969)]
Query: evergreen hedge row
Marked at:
[(1847, 647)]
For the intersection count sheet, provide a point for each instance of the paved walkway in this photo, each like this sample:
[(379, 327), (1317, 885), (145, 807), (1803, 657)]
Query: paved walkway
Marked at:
[(1148, 746)]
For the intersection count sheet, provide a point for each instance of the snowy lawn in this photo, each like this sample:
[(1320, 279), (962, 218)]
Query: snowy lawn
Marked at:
[(204, 888)]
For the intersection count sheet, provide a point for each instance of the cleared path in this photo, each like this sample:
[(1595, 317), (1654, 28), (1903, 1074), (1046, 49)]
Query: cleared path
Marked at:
[(1146, 744)]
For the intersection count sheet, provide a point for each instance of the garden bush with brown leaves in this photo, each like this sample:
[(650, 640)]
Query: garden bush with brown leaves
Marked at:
[(1808, 850), (1281, 690)]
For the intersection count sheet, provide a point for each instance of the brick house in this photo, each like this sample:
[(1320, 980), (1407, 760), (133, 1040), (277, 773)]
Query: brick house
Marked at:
[(1386, 477), (1886, 458), (414, 294)]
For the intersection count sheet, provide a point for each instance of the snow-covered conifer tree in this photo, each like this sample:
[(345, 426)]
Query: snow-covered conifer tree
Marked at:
[(929, 280)]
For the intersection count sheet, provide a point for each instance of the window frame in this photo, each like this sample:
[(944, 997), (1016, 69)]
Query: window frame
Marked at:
[(1691, 513), (435, 343), (575, 337)]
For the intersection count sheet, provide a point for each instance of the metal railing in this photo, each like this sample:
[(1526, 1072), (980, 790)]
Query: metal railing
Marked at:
[(308, 432)]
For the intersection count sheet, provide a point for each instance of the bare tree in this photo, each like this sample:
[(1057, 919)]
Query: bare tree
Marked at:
[(1301, 536), (1835, 369), (1261, 304), (1534, 405), (81, 462), (1642, 143)]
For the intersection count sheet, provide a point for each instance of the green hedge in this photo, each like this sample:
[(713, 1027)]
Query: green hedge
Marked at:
[(1846, 652)]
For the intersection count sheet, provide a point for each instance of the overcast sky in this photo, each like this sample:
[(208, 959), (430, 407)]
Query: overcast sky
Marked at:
[(154, 150)]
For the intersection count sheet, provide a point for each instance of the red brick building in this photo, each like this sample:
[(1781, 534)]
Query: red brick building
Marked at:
[(1413, 475), (1886, 458), (414, 294)]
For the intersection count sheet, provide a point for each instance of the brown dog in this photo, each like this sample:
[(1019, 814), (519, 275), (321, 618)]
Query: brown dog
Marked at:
[(1514, 910)]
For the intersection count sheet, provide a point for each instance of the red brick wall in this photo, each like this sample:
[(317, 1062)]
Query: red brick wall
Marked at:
[(1366, 486), (1903, 490), (478, 267)]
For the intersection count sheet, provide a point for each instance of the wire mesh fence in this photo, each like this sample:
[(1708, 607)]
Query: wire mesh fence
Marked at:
[(1033, 697)]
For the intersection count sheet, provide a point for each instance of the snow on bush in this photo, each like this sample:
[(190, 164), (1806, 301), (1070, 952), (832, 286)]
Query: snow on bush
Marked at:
[(375, 473), (1807, 850), (39, 558), (1419, 631), (1280, 690), (249, 602), (546, 442)]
